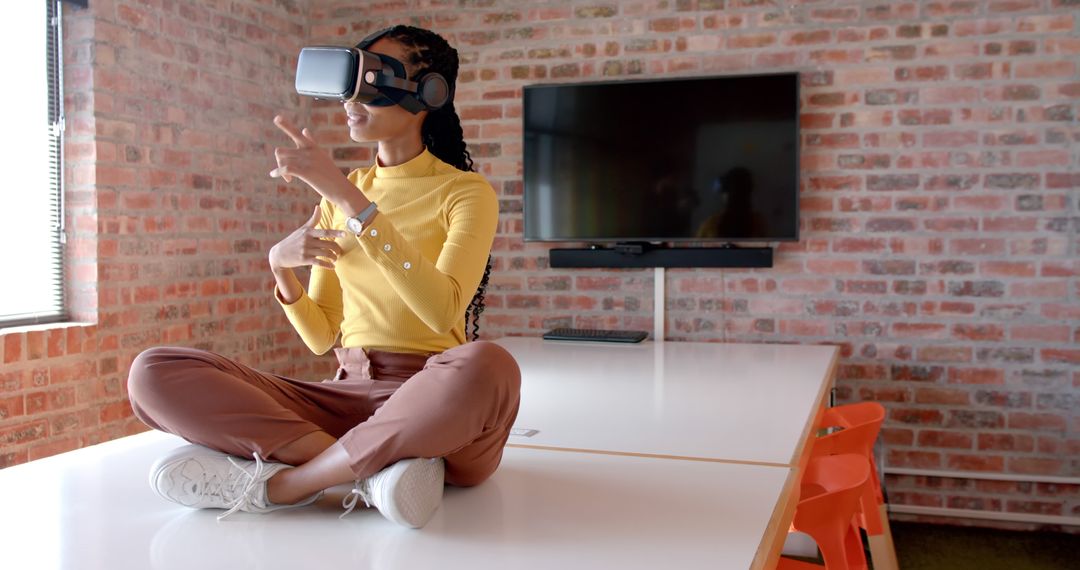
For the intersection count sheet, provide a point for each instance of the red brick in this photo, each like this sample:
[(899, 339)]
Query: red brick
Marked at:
[(914, 459), (916, 416), (945, 353), (973, 503), (1034, 507), (1003, 487), (1006, 442), (22, 433), (945, 439), (883, 394), (964, 462), (1066, 356), (919, 330), (741, 41), (976, 376), (52, 447), (115, 411), (1050, 445), (1037, 421), (1036, 465), (1043, 333), (913, 498), (9, 458), (11, 407), (897, 436), (13, 347), (942, 396), (480, 112)]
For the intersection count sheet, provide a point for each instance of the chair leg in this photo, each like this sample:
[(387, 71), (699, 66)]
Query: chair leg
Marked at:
[(882, 550), (868, 509), (853, 549)]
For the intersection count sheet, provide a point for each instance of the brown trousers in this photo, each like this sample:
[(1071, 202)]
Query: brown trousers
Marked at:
[(382, 406)]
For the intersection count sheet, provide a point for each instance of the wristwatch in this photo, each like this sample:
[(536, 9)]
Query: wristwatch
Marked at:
[(356, 223)]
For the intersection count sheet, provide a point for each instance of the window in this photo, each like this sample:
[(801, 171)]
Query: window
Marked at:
[(31, 211)]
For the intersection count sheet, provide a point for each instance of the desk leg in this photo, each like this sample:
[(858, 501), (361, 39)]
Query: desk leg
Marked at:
[(768, 553), (882, 550)]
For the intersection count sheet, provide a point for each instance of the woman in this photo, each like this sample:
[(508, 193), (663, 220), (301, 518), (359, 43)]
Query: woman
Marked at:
[(413, 405)]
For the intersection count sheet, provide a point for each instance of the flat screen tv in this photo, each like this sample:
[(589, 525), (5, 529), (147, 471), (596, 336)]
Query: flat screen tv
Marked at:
[(709, 159)]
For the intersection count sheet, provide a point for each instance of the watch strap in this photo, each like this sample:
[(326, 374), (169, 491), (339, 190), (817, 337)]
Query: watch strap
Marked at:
[(366, 213), (362, 218)]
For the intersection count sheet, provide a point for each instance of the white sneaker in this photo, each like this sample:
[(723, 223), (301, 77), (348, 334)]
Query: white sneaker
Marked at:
[(204, 478), (407, 492)]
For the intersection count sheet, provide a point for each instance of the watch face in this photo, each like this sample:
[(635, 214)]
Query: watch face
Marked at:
[(354, 225)]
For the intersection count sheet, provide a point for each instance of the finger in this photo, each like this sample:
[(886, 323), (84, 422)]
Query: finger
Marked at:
[(322, 263), (314, 218), (327, 245), (289, 162), (310, 137), (280, 153), (281, 172), (329, 233), (322, 248), (294, 134)]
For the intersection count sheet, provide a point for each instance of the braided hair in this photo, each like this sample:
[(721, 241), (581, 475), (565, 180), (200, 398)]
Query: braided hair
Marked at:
[(441, 132)]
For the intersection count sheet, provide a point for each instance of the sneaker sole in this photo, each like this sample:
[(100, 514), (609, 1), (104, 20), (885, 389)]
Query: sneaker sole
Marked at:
[(417, 490)]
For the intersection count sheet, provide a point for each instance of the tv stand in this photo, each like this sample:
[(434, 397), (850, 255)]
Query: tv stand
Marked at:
[(646, 254)]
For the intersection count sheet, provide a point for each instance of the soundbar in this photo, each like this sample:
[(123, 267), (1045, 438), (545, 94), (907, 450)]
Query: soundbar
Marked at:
[(634, 255)]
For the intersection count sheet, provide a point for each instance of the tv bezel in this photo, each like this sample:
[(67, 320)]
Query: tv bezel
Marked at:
[(656, 239)]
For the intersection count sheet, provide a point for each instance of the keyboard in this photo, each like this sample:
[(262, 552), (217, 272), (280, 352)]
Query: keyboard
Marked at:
[(603, 335)]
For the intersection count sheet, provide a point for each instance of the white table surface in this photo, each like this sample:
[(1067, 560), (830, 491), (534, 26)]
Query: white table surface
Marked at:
[(736, 402), (93, 508)]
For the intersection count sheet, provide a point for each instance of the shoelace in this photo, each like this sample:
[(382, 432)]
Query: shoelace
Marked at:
[(247, 496), (360, 490)]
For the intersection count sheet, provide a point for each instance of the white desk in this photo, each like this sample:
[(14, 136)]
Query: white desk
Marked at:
[(734, 402), (93, 509), (676, 455)]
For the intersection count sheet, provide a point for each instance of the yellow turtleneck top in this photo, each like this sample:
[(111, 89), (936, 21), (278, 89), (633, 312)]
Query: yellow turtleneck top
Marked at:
[(402, 285)]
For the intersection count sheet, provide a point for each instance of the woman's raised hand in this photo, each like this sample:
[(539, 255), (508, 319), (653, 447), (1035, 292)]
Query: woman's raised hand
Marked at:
[(309, 162), (307, 246)]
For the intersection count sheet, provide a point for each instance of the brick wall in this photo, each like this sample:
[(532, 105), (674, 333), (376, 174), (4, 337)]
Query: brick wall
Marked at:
[(169, 143), (939, 213), (940, 150)]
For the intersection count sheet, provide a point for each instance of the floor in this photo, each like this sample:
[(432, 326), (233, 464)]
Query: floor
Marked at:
[(921, 546)]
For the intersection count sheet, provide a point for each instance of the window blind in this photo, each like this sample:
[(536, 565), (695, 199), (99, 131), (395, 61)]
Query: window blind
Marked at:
[(32, 224)]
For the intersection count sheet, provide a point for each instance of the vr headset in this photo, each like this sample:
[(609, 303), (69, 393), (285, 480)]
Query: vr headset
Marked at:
[(355, 74)]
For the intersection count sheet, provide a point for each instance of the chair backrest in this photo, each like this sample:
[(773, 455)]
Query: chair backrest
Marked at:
[(860, 425)]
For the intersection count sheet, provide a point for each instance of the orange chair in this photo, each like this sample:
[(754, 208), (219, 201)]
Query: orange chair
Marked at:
[(860, 424), (830, 489)]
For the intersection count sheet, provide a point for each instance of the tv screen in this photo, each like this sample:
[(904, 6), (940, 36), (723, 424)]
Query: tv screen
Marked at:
[(689, 159)]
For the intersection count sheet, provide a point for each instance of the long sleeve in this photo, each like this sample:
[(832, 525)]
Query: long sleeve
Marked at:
[(438, 291), (404, 283), (317, 316)]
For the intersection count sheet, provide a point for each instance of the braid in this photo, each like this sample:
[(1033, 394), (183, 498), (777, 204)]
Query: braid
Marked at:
[(441, 132), (476, 306), (442, 135)]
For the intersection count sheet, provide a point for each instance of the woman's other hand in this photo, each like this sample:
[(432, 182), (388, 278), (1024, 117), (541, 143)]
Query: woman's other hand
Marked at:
[(307, 245)]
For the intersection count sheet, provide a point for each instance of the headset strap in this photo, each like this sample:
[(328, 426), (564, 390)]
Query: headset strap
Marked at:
[(372, 38)]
